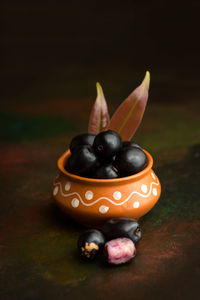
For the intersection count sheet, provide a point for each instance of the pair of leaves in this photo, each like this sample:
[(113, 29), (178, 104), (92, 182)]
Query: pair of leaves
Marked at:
[(127, 117)]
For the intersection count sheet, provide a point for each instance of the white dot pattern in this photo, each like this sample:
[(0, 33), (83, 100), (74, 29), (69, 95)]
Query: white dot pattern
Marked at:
[(136, 204), (75, 202), (89, 195), (103, 209), (155, 192), (117, 195), (55, 191), (67, 186), (144, 188)]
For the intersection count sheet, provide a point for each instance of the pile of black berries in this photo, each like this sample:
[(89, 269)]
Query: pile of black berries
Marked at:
[(104, 156)]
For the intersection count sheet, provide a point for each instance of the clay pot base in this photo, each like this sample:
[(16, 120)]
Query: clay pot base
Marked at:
[(92, 201)]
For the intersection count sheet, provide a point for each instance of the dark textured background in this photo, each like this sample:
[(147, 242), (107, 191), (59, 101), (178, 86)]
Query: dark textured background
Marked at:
[(52, 55), (60, 48)]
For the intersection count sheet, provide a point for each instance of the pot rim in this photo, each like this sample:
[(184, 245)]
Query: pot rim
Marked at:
[(62, 160)]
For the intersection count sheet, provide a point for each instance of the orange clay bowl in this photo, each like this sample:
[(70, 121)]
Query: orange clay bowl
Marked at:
[(92, 201)]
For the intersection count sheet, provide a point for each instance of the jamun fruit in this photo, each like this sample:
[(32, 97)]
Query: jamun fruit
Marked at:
[(80, 140), (105, 171), (119, 251), (130, 144), (107, 143), (90, 244), (81, 160), (122, 227), (130, 160)]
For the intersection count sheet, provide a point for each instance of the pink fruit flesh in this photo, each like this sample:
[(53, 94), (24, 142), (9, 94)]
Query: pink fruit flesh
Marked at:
[(119, 251)]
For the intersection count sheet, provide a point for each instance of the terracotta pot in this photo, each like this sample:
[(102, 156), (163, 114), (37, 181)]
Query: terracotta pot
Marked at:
[(92, 201)]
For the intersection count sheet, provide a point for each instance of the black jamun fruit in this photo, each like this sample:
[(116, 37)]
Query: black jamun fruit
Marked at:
[(122, 227), (130, 144), (91, 243), (107, 143), (80, 140), (130, 160), (105, 171), (81, 160), (91, 172)]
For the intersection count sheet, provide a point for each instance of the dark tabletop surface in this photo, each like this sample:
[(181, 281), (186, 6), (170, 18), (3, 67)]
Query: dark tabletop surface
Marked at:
[(47, 97)]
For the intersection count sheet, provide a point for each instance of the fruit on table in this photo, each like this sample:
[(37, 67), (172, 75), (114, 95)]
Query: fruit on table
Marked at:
[(81, 160), (81, 140), (90, 244), (122, 227), (116, 239), (130, 144), (107, 143), (130, 160), (105, 171), (119, 251)]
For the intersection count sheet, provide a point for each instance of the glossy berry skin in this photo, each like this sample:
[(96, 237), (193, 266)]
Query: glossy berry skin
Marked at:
[(122, 227), (90, 244), (105, 171), (80, 140), (130, 160), (91, 172), (81, 160), (130, 144), (107, 143)]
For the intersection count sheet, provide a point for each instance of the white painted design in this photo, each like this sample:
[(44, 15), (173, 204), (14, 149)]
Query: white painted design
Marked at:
[(103, 209), (106, 198), (153, 176), (75, 202), (89, 195), (55, 190), (117, 195), (68, 186), (136, 204), (144, 188), (155, 192)]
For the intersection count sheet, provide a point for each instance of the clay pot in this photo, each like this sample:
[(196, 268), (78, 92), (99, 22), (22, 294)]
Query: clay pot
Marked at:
[(92, 201)]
